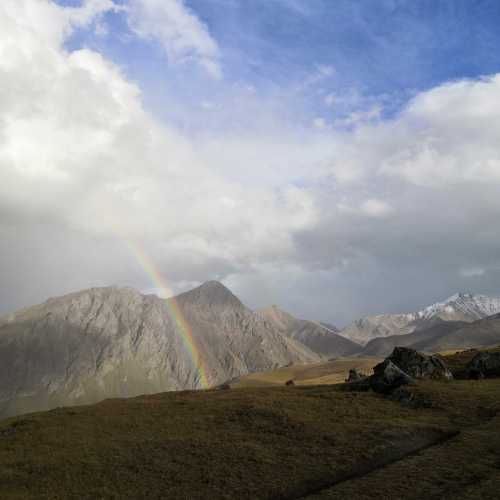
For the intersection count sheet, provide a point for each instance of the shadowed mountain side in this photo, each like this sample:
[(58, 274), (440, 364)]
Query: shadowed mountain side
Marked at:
[(448, 335), (116, 342), (318, 337)]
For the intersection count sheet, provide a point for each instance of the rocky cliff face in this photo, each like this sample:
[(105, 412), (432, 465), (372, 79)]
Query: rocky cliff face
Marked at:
[(318, 337), (116, 342), (466, 307)]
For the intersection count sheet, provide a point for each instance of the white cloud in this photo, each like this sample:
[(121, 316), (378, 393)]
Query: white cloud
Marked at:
[(79, 152), (347, 219), (448, 135), (207, 105), (375, 208), (319, 123), (179, 31), (356, 118), (330, 99), (369, 208), (472, 272)]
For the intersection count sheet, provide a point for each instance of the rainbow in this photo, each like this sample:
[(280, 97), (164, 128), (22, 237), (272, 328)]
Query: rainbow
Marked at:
[(182, 326)]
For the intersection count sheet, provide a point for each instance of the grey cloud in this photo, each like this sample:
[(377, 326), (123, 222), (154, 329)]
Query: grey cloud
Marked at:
[(384, 218)]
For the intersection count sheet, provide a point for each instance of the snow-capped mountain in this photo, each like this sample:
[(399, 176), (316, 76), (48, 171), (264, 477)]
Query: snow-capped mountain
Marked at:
[(459, 307), (462, 306)]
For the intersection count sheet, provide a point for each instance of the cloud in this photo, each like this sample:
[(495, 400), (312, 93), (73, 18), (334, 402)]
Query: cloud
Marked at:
[(330, 99), (472, 272), (319, 123), (375, 208), (368, 208), (448, 135), (79, 156), (358, 117), (183, 36), (385, 214)]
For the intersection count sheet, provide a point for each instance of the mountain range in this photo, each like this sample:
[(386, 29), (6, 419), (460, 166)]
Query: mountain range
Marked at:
[(116, 342), (465, 307), (442, 336)]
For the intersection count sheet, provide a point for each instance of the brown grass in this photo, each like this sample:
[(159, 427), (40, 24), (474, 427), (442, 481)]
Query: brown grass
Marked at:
[(260, 443), (332, 372)]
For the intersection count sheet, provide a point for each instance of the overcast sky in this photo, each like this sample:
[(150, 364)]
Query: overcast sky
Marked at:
[(336, 158)]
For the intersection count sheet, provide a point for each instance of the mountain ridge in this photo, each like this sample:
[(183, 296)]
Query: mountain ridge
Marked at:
[(318, 337), (461, 306), (443, 336), (116, 342)]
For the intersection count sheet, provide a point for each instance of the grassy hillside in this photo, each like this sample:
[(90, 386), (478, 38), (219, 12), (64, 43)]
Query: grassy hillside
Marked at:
[(332, 372), (260, 443)]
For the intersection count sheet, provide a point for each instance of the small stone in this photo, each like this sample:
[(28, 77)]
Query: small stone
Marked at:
[(355, 375)]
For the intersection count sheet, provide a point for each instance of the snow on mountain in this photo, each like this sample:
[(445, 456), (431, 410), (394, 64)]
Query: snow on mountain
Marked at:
[(459, 307)]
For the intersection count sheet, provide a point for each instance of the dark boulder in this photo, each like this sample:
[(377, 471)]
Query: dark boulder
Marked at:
[(355, 375), (402, 395), (484, 365), (419, 365), (387, 377), (223, 387)]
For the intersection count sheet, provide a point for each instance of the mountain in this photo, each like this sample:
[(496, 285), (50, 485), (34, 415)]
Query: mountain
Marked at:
[(116, 342), (465, 307), (318, 337), (443, 336), (330, 327)]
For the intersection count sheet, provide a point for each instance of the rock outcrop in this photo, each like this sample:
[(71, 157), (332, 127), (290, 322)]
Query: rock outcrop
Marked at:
[(419, 365), (387, 377), (403, 367), (484, 365)]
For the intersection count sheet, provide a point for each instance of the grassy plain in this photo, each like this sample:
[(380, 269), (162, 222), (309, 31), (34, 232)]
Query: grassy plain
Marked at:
[(309, 441)]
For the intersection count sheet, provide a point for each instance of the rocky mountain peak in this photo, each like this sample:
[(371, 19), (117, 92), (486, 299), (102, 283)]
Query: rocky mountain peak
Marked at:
[(211, 294), (468, 305)]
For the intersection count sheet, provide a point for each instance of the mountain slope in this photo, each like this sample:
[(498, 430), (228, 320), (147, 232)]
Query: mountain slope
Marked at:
[(318, 337), (465, 307), (116, 342), (446, 335)]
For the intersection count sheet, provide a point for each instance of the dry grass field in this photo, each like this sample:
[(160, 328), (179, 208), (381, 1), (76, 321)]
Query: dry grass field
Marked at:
[(332, 372), (267, 443)]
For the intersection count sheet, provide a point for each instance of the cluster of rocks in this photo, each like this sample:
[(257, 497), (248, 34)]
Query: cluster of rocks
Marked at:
[(419, 365), (484, 365), (400, 369)]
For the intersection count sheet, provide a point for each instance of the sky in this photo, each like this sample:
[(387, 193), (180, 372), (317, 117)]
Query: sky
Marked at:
[(339, 159)]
